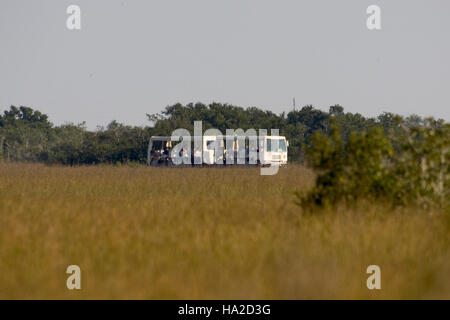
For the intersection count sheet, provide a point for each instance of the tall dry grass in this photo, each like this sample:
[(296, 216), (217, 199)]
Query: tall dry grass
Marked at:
[(182, 233)]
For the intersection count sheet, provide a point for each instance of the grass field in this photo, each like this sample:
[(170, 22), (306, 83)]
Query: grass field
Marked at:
[(190, 233)]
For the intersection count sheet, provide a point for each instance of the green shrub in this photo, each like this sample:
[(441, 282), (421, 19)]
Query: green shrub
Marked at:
[(367, 167)]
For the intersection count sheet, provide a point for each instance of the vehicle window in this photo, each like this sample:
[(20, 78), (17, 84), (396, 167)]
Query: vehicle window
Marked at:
[(210, 145), (271, 145)]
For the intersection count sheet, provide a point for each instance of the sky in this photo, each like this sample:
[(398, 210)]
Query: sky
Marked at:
[(133, 57)]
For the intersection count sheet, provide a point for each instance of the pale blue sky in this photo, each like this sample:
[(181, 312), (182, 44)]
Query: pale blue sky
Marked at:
[(136, 56)]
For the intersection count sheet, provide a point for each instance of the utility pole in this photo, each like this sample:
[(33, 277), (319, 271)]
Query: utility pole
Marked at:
[(294, 103)]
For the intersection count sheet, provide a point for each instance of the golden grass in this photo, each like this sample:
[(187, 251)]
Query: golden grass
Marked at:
[(190, 233)]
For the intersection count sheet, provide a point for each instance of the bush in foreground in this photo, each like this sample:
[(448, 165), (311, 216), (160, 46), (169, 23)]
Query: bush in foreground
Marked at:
[(367, 167)]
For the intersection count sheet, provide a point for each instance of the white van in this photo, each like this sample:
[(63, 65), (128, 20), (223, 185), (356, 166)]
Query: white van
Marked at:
[(273, 150)]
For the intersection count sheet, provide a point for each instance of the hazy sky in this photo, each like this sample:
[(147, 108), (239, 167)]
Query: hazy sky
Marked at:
[(133, 57)]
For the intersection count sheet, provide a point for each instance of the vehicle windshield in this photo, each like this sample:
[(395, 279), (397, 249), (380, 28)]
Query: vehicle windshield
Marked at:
[(210, 145), (271, 145)]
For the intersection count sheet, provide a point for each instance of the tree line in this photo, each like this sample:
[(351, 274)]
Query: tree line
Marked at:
[(28, 135)]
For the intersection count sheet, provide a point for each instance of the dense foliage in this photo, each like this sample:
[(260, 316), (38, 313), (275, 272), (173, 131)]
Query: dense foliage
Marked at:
[(27, 134)]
